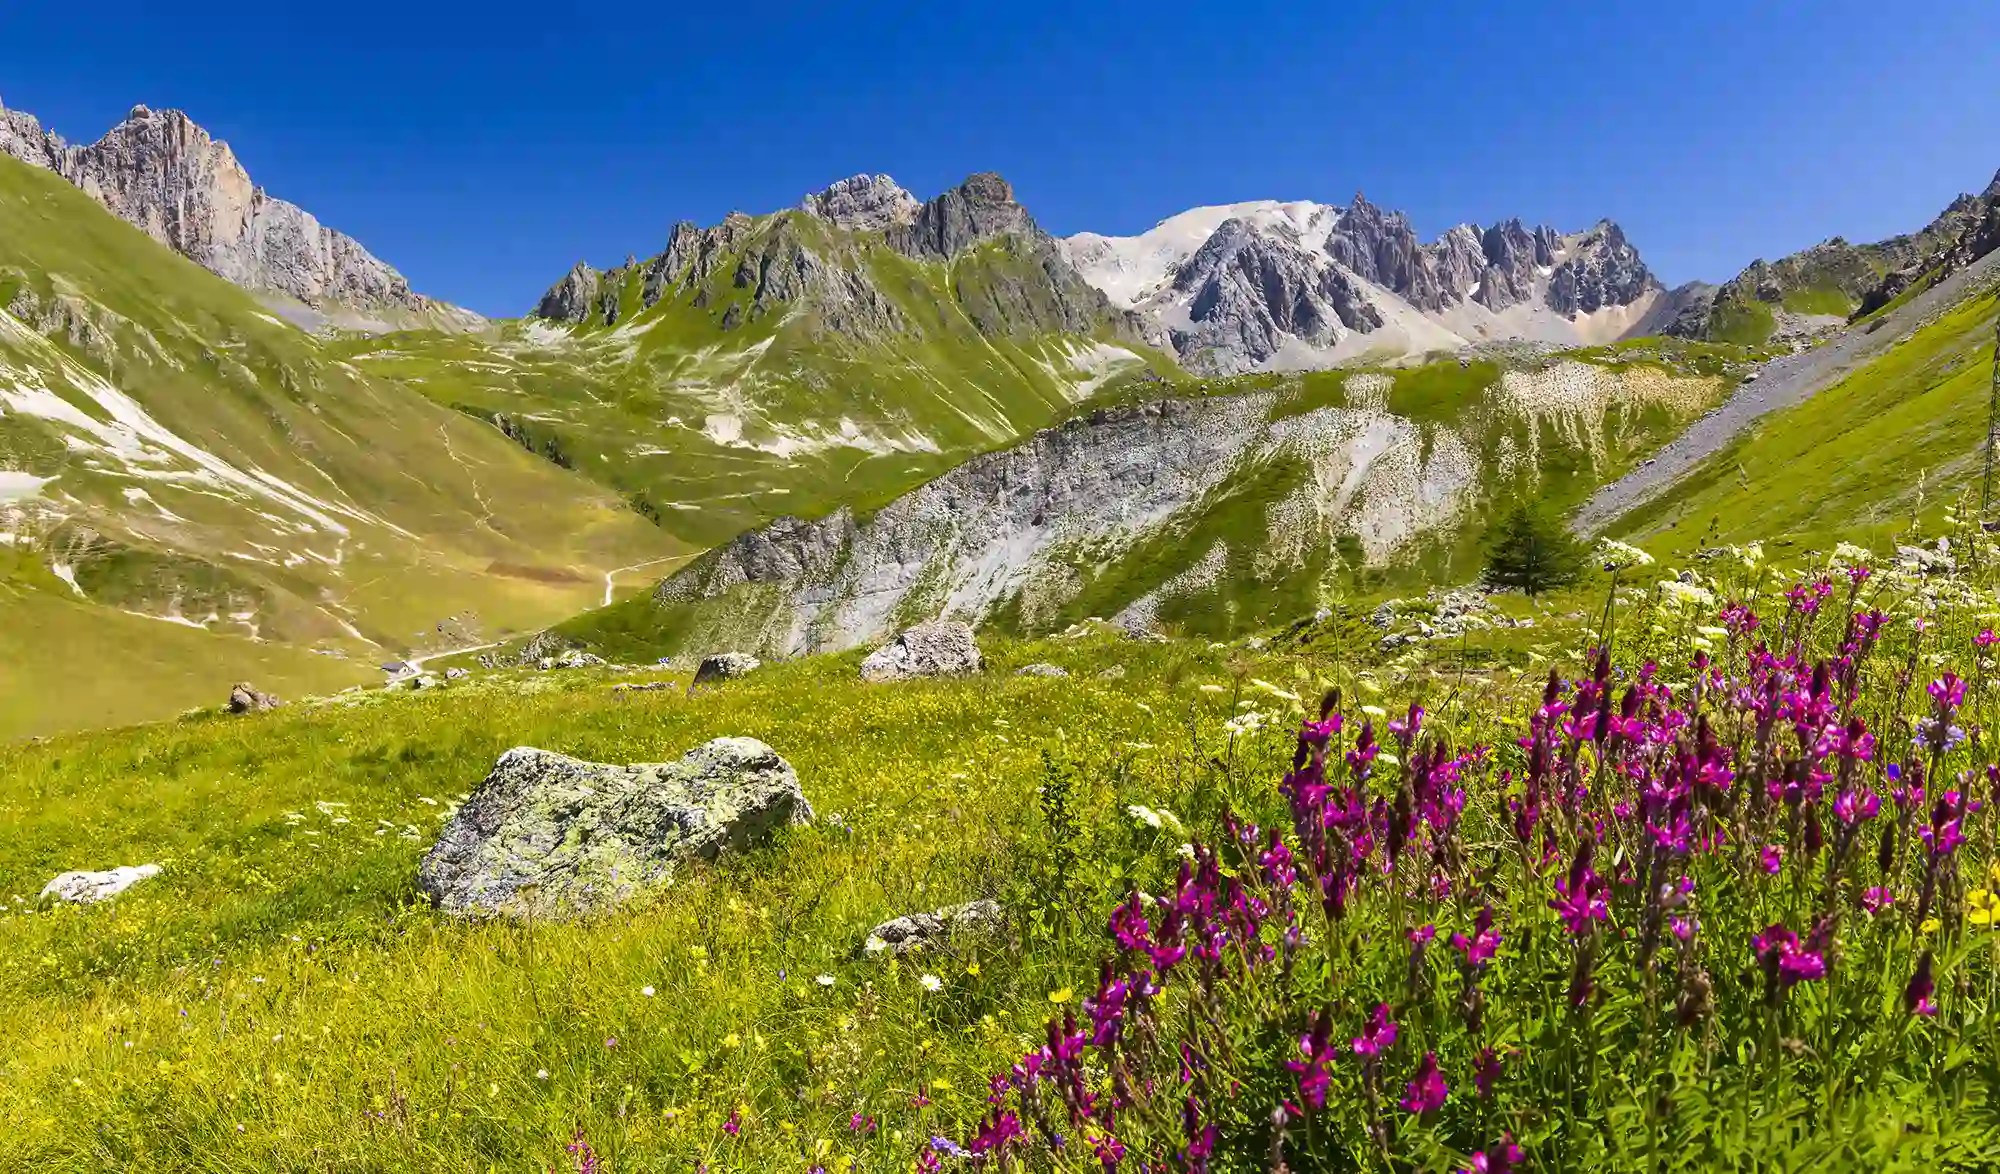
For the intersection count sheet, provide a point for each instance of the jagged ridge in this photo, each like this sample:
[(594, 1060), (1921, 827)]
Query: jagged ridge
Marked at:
[(1248, 286)]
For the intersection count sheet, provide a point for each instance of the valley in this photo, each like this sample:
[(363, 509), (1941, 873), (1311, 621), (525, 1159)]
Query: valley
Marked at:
[(870, 683)]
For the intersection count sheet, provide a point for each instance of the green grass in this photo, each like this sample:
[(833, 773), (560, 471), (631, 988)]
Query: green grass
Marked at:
[(1862, 460), (1818, 300), (1741, 321), (400, 515), (279, 998), (278, 977)]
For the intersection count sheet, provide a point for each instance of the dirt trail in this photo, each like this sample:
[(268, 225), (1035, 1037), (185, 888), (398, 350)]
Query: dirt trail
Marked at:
[(1781, 383)]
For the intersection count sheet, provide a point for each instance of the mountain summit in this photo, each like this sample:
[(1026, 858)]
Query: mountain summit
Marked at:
[(161, 171), (1269, 285)]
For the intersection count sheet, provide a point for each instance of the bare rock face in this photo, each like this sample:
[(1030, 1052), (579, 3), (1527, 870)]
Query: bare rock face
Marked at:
[(940, 648), (246, 699), (863, 203), (976, 211), (552, 836), (22, 137), (574, 298), (1252, 289), (160, 171), (1602, 269)]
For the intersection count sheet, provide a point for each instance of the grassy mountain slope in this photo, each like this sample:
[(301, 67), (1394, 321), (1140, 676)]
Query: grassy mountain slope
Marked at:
[(740, 397), (170, 449), (1240, 503), (1857, 462), (1839, 279)]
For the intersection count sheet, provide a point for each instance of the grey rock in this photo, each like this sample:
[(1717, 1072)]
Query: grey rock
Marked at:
[(1041, 670), (1601, 269), (938, 648), (987, 532), (923, 931), (981, 209), (554, 836), (723, 666), (1115, 673), (863, 203), (575, 658), (574, 298), (88, 888), (453, 674), (246, 699)]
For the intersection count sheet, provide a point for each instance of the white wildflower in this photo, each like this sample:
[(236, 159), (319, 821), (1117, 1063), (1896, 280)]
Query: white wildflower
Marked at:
[(931, 982), (1678, 592), (824, 980), (1616, 555), (647, 991), (1248, 722)]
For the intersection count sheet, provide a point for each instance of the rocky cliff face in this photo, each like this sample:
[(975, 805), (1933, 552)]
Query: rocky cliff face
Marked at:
[(1600, 268), (1131, 512), (1372, 286), (1248, 291), (163, 173)]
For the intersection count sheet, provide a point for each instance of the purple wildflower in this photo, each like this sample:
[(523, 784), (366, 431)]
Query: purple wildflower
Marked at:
[(1427, 1092)]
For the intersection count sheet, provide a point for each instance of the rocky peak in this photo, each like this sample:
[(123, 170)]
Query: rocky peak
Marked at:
[(1514, 258), (1601, 269), (22, 137), (160, 171), (863, 203), (976, 211), (1250, 289), (1382, 247), (572, 298)]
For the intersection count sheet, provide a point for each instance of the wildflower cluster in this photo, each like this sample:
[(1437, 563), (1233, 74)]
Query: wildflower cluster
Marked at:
[(1633, 887)]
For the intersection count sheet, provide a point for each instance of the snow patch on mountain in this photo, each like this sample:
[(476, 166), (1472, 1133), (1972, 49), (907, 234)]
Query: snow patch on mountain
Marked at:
[(1265, 285), (1131, 269)]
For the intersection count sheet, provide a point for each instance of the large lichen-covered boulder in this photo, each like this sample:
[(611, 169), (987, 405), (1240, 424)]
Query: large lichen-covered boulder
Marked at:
[(938, 648), (551, 836)]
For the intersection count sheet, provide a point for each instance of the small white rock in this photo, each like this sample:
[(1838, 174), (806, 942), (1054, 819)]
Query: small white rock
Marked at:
[(88, 888)]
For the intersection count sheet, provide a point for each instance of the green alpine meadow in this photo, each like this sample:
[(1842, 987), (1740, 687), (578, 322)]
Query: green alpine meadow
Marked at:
[(716, 667)]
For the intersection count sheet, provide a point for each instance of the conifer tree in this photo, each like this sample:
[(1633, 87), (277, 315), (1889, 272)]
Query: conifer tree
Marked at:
[(1530, 550)]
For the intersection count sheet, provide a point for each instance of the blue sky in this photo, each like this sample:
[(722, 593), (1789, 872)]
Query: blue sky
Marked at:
[(482, 149)]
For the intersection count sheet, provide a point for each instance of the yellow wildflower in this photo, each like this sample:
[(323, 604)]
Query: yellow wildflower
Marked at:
[(1982, 907), (1062, 996)]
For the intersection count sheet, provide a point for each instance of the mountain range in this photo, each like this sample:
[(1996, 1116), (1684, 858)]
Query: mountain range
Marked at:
[(231, 438)]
